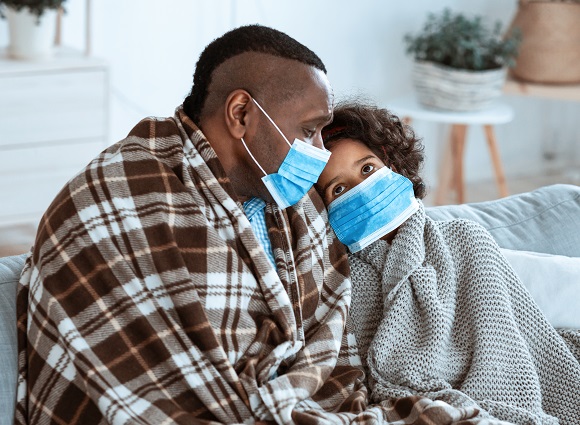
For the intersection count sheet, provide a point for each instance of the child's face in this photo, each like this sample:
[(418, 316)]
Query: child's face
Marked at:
[(350, 163)]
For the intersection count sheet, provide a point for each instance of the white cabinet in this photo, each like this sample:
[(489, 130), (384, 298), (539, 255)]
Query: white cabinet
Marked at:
[(53, 121)]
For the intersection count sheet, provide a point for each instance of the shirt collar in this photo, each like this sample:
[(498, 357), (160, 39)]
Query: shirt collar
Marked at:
[(252, 206)]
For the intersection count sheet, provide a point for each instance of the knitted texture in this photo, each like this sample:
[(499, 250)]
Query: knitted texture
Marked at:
[(441, 313)]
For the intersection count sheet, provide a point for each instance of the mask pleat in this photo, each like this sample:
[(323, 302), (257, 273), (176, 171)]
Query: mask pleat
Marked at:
[(372, 207), (381, 201), (368, 193)]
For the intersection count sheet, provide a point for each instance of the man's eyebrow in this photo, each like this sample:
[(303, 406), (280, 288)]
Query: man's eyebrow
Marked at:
[(321, 119), (327, 119)]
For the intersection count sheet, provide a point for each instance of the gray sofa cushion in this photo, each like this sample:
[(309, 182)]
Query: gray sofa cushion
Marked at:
[(544, 220), (10, 268)]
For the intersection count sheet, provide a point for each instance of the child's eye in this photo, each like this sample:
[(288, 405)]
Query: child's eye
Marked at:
[(338, 189), (368, 168)]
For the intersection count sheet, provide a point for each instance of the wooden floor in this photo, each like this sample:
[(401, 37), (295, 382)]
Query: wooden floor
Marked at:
[(16, 239), (19, 238)]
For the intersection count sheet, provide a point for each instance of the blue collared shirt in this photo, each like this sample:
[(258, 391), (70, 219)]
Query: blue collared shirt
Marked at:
[(255, 210)]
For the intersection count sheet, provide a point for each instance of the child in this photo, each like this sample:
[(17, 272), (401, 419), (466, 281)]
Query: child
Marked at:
[(436, 309)]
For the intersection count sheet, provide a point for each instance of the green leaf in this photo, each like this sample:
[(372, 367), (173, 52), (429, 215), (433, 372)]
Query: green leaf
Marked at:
[(459, 41)]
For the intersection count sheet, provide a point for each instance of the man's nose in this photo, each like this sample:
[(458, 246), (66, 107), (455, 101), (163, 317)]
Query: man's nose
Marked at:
[(317, 140)]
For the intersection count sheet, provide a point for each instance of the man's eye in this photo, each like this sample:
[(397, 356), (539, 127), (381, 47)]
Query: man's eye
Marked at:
[(368, 169), (338, 190), (309, 133)]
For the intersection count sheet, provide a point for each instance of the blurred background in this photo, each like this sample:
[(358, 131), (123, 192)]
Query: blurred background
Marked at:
[(149, 49)]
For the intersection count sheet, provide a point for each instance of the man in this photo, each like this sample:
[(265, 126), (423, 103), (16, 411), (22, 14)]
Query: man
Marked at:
[(186, 276)]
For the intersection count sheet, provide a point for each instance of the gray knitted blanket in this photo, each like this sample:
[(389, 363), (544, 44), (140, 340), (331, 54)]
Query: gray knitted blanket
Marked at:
[(441, 313)]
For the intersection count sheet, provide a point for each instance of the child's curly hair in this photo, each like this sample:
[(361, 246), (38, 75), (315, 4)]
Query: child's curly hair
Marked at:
[(384, 133)]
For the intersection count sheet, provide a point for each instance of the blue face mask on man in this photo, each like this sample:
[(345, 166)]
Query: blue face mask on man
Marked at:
[(297, 173), (372, 209)]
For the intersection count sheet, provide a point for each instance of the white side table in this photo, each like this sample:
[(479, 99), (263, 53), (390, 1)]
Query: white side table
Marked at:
[(451, 173)]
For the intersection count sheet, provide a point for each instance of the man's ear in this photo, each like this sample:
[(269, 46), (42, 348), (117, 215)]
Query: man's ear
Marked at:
[(236, 113)]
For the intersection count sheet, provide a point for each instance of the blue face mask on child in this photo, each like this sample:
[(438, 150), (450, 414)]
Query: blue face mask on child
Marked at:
[(373, 208), (297, 173)]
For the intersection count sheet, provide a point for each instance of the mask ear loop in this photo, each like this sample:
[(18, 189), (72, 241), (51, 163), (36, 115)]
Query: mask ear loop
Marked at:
[(299, 331), (252, 156), (272, 121)]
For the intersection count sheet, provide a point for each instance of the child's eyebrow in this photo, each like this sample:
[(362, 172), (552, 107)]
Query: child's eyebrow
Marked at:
[(366, 158), (327, 185)]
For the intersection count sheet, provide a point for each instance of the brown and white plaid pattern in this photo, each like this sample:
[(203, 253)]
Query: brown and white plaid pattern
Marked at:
[(148, 299)]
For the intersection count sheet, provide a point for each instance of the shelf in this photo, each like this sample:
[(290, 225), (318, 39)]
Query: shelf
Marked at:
[(65, 58), (53, 121), (550, 91)]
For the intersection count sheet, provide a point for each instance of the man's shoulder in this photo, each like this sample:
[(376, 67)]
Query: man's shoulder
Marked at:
[(153, 142), (460, 225), (155, 127)]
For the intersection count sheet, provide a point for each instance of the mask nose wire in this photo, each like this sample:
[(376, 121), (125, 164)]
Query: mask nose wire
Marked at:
[(272, 121)]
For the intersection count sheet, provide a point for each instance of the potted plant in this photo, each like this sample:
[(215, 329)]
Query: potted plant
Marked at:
[(460, 62), (32, 25)]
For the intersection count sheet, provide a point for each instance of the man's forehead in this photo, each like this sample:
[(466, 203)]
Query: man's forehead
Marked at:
[(308, 94)]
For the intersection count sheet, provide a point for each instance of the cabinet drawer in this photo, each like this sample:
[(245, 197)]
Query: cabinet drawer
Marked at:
[(31, 178), (56, 107)]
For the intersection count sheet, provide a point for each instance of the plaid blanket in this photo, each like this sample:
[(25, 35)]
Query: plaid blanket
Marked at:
[(148, 299)]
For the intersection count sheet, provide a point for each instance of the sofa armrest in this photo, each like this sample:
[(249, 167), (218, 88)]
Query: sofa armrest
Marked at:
[(544, 220), (10, 268)]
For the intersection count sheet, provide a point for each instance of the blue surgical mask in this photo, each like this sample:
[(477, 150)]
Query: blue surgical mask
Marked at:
[(297, 173), (373, 208)]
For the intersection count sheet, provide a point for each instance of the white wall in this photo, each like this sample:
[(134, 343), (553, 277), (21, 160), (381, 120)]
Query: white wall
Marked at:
[(152, 47)]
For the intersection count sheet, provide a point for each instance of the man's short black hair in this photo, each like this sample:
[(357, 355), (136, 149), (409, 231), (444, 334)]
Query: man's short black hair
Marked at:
[(249, 38)]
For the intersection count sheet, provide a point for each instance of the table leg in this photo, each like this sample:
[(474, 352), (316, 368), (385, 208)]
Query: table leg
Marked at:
[(494, 151), (445, 183), (458, 134)]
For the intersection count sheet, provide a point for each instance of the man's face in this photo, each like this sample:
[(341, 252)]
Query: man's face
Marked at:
[(302, 117)]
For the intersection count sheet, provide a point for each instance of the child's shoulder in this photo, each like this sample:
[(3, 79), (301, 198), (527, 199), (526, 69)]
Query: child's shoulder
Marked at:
[(462, 227)]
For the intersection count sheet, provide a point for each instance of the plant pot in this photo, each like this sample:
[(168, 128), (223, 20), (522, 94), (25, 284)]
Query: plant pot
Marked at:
[(550, 49), (442, 87), (31, 37)]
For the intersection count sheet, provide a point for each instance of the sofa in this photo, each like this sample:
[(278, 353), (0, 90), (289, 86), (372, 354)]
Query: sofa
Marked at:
[(10, 268), (538, 231)]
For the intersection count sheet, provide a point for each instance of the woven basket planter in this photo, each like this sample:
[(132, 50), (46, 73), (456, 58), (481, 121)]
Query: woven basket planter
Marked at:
[(441, 87), (550, 49)]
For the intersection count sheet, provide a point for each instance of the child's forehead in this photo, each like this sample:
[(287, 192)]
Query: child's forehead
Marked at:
[(348, 148)]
